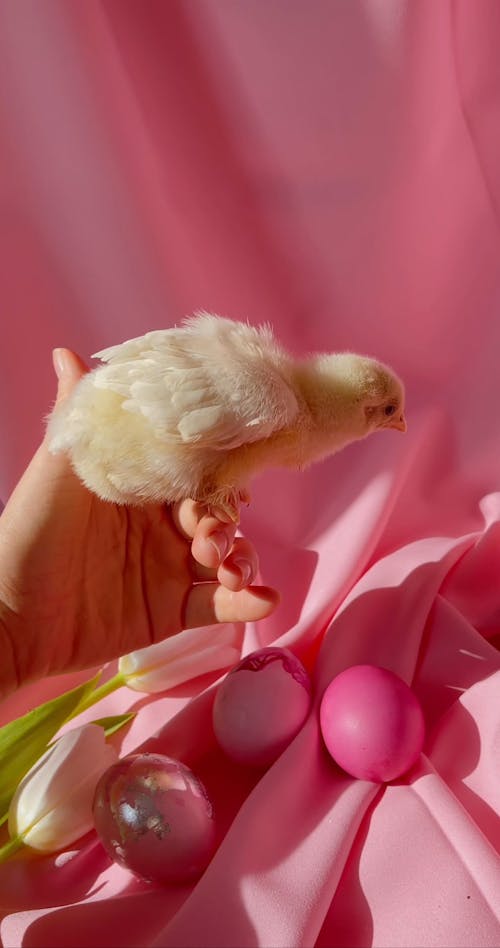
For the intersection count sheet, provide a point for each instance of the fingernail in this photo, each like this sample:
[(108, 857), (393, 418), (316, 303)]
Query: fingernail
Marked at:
[(59, 362), (220, 542), (245, 570)]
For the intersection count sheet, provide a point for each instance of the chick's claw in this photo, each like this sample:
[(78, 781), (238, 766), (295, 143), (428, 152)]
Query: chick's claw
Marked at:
[(224, 504)]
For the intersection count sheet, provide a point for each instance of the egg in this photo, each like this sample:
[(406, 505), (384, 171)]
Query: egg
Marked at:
[(372, 723), (154, 817), (261, 705)]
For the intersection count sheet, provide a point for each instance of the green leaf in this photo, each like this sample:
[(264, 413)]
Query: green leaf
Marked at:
[(11, 846), (25, 739), (113, 724)]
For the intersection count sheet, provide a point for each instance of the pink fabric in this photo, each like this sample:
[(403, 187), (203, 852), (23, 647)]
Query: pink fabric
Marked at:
[(332, 167)]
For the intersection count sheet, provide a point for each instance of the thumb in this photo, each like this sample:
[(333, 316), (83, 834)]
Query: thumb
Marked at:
[(69, 369)]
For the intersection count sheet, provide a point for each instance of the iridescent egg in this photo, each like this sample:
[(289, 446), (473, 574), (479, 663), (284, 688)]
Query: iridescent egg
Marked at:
[(372, 723), (154, 817), (261, 705)]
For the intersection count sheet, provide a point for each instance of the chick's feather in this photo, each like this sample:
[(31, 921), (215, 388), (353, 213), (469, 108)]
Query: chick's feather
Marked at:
[(196, 410), (214, 382), (152, 421)]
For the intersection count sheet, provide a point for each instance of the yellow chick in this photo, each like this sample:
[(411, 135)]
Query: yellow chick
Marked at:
[(196, 411)]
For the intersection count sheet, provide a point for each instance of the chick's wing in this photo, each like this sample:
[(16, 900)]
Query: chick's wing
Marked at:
[(210, 391)]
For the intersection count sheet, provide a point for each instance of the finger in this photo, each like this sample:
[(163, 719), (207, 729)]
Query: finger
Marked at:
[(209, 603), (211, 539), (238, 570), (186, 516), (240, 567), (69, 368)]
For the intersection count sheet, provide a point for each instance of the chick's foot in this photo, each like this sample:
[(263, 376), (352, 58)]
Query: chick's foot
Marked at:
[(224, 503)]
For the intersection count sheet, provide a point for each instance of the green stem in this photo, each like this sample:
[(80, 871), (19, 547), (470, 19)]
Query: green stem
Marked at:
[(10, 848), (106, 689)]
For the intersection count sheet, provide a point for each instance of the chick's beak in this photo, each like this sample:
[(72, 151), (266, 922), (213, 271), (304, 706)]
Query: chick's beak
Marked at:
[(398, 423)]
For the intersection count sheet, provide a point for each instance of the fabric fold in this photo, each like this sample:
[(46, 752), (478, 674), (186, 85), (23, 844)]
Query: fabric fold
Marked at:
[(331, 168)]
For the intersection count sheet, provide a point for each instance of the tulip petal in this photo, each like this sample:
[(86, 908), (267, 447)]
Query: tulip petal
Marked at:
[(24, 740), (52, 805), (181, 657), (184, 669)]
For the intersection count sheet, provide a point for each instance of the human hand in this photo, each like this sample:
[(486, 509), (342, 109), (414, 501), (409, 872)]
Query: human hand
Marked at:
[(83, 581)]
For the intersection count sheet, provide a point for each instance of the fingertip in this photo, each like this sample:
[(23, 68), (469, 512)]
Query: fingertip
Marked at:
[(236, 574), (267, 596), (187, 514), (209, 603), (67, 364), (246, 605), (59, 362), (69, 368), (241, 567), (212, 541)]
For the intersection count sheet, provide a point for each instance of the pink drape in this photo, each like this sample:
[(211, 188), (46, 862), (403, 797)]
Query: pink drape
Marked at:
[(334, 168)]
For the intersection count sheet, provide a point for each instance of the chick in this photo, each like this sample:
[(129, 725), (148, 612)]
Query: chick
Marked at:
[(196, 411)]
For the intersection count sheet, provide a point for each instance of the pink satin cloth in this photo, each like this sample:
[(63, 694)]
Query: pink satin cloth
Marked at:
[(333, 168)]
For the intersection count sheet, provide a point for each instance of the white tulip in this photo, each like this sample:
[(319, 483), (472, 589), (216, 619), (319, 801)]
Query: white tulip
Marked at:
[(181, 657), (52, 806)]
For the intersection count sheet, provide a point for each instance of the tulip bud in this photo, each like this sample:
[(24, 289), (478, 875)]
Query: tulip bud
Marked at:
[(181, 657), (52, 806)]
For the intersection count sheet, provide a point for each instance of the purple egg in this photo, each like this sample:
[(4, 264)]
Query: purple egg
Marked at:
[(153, 816), (372, 723), (261, 705)]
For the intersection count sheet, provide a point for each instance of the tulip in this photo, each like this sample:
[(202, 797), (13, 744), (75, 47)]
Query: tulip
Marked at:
[(52, 805), (181, 657), (172, 662)]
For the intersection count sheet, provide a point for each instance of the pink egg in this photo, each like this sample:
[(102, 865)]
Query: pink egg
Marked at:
[(153, 816), (261, 705), (372, 723)]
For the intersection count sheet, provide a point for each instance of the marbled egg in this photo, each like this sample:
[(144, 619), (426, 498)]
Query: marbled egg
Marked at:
[(153, 816), (261, 705)]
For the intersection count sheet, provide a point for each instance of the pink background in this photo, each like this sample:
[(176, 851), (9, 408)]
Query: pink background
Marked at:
[(332, 167)]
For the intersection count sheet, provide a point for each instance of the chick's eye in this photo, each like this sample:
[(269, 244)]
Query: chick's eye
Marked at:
[(389, 410)]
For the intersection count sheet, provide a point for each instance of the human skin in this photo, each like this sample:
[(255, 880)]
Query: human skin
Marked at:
[(83, 581)]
